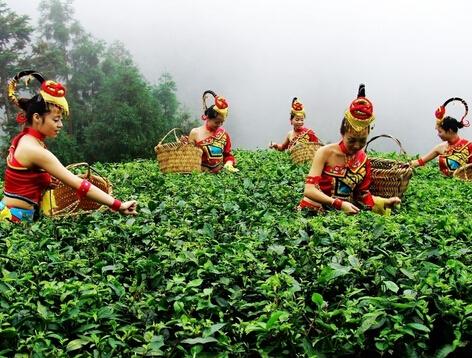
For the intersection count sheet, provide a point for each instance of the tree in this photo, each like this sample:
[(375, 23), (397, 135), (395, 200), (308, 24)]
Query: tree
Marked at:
[(126, 121), (57, 30), (15, 32), (67, 53), (105, 90), (166, 97)]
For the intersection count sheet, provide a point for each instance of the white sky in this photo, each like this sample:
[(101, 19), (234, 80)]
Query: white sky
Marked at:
[(412, 56)]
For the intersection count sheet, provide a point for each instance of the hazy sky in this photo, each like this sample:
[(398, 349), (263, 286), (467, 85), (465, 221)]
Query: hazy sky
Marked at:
[(412, 56)]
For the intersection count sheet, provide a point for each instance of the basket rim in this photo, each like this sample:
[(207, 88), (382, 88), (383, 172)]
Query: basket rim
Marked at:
[(299, 146), (460, 170)]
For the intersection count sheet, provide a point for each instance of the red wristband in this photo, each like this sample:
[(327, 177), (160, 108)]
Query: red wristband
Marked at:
[(116, 205), (83, 189), (421, 162), (337, 204)]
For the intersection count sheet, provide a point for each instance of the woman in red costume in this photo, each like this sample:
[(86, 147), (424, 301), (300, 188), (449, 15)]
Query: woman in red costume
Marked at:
[(30, 166), (340, 174), (299, 133), (454, 152), (213, 138)]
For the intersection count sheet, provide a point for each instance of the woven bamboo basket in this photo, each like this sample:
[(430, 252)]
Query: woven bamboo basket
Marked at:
[(303, 152), (389, 177), (178, 157), (65, 199), (464, 172)]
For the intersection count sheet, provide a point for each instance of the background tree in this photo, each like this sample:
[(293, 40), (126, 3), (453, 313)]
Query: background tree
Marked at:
[(15, 33), (116, 114), (127, 119)]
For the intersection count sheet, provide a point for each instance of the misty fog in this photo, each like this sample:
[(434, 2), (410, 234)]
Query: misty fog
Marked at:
[(412, 56)]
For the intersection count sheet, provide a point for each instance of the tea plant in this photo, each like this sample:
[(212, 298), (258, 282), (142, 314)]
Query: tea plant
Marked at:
[(222, 265)]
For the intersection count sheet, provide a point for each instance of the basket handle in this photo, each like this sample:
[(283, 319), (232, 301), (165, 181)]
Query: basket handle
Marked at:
[(89, 169), (402, 150), (173, 130)]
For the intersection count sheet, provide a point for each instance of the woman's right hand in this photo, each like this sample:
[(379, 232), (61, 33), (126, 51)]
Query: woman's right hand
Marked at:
[(184, 139), (129, 208), (349, 208)]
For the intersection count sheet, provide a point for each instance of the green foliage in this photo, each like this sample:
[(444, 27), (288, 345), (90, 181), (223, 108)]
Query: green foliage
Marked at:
[(221, 265), (15, 32)]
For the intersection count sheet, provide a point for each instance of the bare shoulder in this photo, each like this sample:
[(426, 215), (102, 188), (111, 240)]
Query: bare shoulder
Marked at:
[(28, 150), (328, 149), (193, 132), (440, 148)]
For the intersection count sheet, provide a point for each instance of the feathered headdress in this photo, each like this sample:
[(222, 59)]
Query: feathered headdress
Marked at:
[(441, 112), (50, 91), (220, 105)]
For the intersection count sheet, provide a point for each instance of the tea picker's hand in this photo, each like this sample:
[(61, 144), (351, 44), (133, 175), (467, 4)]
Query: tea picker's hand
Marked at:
[(129, 208), (229, 167), (349, 208)]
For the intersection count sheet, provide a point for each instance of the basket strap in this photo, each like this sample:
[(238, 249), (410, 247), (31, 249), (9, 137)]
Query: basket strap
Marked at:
[(402, 150), (90, 169), (173, 130)]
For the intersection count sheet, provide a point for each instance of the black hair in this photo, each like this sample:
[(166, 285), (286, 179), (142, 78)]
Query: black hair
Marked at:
[(33, 105), (345, 127), (452, 124), (210, 112), (292, 115)]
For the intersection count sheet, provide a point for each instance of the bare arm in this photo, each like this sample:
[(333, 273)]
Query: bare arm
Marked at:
[(192, 137), (44, 159), (313, 191), (433, 153), (282, 146)]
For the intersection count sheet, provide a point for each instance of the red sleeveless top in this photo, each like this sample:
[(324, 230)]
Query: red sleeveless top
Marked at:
[(350, 181), (27, 184)]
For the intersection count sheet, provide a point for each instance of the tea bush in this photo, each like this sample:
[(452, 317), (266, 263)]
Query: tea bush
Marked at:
[(222, 265)]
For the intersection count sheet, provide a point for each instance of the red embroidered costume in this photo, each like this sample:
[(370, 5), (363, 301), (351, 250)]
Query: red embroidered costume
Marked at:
[(300, 134), (350, 181), (216, 150), (456, 155), (216, 146)]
